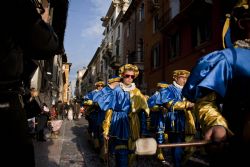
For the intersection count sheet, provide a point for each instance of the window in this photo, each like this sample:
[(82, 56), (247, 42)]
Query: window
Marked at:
[(118, 31), (201, 33), (107, 29), (112, 22), (129, 28), (117, 49), (141, 12), (155, 23), (155, 57), (174, 46), (140, 50)]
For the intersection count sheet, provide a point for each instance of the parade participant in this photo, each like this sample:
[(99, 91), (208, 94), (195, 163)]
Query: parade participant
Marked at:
[(91, 113), (157, 115), (121, 119), (179, 120), (223, 77), (24, 35), (101, 100)]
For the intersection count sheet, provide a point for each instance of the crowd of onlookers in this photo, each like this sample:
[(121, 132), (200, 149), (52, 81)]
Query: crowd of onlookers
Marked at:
[(41, 117)]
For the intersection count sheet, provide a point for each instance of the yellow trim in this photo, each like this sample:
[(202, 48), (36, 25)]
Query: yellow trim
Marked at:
[(107, 122), (225, 29)]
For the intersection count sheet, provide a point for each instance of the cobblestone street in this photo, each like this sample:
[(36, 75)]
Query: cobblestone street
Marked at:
[(72, 149)]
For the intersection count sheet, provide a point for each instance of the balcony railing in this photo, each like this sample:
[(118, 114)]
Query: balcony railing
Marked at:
[(115, 62)]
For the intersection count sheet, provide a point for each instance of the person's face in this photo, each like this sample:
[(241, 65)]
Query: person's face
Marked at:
[(128, 77), (34, 93), (99, 86), (181, 80)]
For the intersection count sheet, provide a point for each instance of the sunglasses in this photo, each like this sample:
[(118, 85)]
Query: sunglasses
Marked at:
[(127, 76), (99, 85)]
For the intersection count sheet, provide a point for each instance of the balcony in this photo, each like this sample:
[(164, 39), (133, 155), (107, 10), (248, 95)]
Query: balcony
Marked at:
[(115, 62), (107, 50)]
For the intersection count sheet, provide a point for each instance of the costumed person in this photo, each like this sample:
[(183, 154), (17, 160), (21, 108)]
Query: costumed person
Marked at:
[(122, 122), (157, 117), (24, 35), (113, 82), (92, 113), (179, 123), (223, 77)]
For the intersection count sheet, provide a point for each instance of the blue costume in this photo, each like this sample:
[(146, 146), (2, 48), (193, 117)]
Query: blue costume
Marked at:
[(157, 115), (219, 84), (179, 121), (223, 77), (122, 114), (93, 113)]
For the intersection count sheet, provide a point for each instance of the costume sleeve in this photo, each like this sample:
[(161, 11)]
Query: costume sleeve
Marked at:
[(138, 101), (155, 108), (152, 99), (208, 112), (212, 73), (88, 103), (164, 97), (107, 122), (181, 105), (107, 100)]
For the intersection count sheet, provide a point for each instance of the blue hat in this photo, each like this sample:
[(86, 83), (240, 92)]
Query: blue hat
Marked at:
[(114, 79)]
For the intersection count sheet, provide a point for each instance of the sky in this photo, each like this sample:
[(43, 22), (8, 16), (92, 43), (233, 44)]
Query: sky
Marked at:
[(84, 32)]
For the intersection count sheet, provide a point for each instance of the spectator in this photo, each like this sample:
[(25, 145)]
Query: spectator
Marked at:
[(42, 120), (24, 36)]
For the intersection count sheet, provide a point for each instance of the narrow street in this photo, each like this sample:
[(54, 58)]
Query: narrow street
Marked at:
[(72, 149)]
